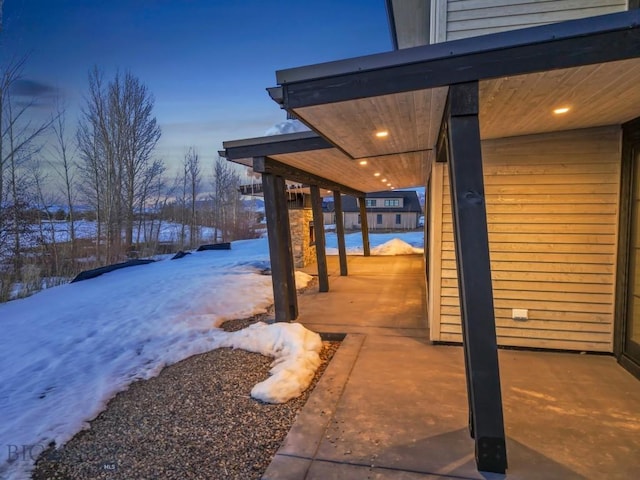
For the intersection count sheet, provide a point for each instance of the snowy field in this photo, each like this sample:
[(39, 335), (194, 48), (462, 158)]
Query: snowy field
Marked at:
[(169, 231), (68, 350)]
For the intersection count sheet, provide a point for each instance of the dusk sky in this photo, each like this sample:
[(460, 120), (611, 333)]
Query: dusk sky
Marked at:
[(207, 62)]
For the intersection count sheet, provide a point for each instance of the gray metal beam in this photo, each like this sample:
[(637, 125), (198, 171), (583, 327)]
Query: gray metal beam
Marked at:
[(273, 145), (586, 41)]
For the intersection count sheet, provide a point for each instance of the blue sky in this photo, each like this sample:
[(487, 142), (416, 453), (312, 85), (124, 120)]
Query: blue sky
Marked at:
[(207, 62)]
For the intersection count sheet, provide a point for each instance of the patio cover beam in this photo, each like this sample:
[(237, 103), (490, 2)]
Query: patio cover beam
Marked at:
[(462, 130), (273, 145), (269, 165), (567, 44)]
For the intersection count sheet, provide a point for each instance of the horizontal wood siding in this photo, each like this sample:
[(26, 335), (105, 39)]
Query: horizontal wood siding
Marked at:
[(552, 215), (470, 18)]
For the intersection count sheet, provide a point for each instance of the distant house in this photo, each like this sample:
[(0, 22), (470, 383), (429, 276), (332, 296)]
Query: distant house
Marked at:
[(390, 210)]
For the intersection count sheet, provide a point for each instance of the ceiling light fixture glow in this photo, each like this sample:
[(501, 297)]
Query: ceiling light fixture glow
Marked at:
[(382, 134), (561, 110), (362, 162), (377, 174), (384, 180)]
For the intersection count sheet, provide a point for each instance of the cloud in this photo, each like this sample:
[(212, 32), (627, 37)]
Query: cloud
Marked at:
[(288, 126), (31, 88)]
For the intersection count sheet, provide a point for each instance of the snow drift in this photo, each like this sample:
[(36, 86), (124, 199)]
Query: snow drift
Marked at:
[(297, 356), (395, 247)]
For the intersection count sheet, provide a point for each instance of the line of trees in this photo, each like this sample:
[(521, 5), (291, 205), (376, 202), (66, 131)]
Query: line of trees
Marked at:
[(116, 138), (106, 162)]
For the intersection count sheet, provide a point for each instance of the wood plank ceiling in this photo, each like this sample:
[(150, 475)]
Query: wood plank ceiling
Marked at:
[(596, 95)]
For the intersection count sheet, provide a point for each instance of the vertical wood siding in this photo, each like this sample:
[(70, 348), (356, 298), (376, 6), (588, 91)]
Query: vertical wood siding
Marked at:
[(552, 203), (470, 18)]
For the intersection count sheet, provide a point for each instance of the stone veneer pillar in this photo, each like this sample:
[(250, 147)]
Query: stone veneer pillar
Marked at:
[(303, 252)]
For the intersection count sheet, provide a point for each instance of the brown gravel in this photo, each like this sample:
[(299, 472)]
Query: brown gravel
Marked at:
[(195, 420)]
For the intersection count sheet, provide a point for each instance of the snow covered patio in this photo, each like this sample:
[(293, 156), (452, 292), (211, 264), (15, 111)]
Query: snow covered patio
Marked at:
[(392, 406)]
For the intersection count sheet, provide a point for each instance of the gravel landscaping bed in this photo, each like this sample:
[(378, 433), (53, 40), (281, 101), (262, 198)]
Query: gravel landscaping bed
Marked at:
[(195, 420)]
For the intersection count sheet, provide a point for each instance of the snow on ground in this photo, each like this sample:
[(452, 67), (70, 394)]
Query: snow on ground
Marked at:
[(353, 242), (395, 246), (169, 231), (66, 351), (296, 351)]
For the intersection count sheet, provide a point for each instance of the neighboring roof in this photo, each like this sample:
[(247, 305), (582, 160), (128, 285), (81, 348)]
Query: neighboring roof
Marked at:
[(411, 202)]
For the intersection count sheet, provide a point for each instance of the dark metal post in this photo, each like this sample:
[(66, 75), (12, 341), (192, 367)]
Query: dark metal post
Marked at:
[(474, 276), (284, 236), (318, 226), (364, 225), (342, 248), (277, 255)]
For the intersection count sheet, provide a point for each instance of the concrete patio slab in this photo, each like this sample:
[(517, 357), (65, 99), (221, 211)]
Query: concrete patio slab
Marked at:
[(395, 407)]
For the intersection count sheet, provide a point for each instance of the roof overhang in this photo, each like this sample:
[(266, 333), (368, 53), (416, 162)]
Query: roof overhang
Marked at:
[(591, 66)]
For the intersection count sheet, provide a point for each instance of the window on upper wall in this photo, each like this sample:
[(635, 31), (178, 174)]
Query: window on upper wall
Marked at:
[(370, 202), (398, 219), (379, 219), (392, 202)]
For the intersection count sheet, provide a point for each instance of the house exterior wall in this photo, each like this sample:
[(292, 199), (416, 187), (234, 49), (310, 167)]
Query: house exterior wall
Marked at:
[(552, 203), (454, 19), (408, 220)]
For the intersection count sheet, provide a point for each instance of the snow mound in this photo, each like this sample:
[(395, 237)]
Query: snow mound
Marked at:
[(302, 279), (295, 349), (395, 246)]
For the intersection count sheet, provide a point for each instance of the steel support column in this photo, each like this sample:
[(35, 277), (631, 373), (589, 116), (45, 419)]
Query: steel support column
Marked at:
[(462, 132), (342, 248), (364, 225), (318, 226)]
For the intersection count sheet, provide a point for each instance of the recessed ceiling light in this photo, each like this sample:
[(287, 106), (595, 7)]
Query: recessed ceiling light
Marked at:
[(384, 180), (377, 174), (382, 134), (561, 110), (362, 162)]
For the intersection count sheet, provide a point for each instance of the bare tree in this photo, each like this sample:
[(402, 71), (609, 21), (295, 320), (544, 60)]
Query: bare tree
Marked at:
[(192, 171), (148, 199), (116, 137), (18, 143), (231, 217), (64, 168)]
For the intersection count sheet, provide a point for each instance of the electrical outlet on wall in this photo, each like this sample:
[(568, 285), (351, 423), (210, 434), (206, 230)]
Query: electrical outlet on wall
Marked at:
[(520, 314)]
